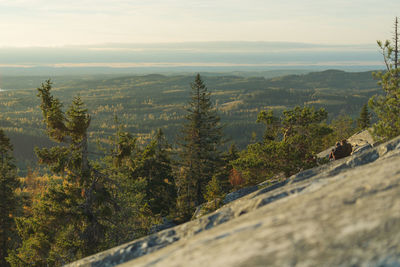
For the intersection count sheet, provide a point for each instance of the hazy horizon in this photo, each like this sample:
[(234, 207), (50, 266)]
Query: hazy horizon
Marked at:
[(189, 56), (175, 35)]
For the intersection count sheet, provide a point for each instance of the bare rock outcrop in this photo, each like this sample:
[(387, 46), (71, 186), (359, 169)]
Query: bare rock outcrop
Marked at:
[(344, 213)]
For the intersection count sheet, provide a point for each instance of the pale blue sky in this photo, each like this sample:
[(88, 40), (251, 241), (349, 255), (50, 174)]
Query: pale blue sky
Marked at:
[(86, 22)]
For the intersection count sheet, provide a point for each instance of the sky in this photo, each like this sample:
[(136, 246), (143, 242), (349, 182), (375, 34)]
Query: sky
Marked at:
[(43, 23)]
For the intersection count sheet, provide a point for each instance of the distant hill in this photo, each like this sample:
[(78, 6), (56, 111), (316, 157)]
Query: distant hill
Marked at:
[(326, 79)]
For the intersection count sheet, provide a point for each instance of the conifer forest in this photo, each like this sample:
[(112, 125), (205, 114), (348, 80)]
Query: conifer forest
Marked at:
[(89, 162)]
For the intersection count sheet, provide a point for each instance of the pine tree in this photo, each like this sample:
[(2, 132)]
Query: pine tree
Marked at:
[(8, 199), (71, 218), (132, 217), (200, 148), (387, 106), (364, 121), (290, 145)]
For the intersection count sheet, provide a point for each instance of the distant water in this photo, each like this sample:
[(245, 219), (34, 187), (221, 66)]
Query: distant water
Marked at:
[(2, 90)]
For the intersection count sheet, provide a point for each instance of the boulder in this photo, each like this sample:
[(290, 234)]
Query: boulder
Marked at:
[(344, 213), (361, 139)]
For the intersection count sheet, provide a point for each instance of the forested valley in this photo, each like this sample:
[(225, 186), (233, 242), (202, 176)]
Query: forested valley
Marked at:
[(102, 161), (143, 104)]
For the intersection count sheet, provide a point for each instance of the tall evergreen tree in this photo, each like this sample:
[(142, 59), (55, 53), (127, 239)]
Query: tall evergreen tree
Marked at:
[(71, 218), (8, 199), (200, 148), (387, 106)]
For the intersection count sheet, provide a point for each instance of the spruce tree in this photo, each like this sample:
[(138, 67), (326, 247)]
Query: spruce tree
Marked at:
[(200, 148), (223, 175), (133, 217), (155, 166), (8, 199), (71, 218), (387, 106), (364, 121)]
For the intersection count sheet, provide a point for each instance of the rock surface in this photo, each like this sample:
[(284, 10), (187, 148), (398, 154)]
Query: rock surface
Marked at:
[(344, 213), (361, 141)]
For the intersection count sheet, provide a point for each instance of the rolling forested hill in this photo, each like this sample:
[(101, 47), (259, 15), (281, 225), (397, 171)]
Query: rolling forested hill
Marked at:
[(145, 103)]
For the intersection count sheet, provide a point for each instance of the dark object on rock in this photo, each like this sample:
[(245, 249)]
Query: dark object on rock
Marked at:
[(342, 150), (337, 152), (347, 148), (358, 141)]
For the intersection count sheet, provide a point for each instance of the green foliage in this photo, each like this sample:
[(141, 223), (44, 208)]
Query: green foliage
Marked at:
[(220, 184), (261, 161), (145, 103), (70, 220), (94, 205), (214, 193), (9, 202), (185, 201), (144, 188), (200, 149), (78, 121), (387, 106), (133, 217), (224, 174), (343, 127), (152, 165), (271, 122), (289, 145), (53, 115), (59, 229), (90, 206), (156, 166), (364, 121)]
